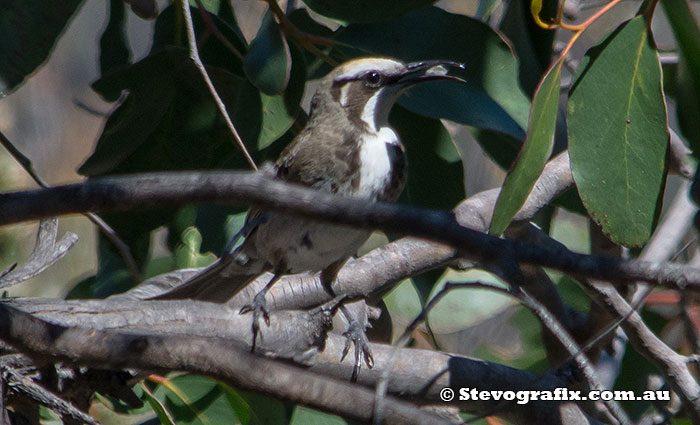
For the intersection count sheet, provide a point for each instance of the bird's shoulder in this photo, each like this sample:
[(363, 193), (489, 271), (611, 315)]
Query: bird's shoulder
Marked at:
[(323, 158)]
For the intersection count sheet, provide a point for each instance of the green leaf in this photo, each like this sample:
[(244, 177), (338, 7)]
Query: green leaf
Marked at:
[(365, 10), (260, 409), (268, 62), (279, 112), (534, 154), (485, 9), (685, 27), (137, 117), (305, 23), (83, 289), (483, 323), (491, 98), (618, 135), (232, 229), (211, 6), (193, 399), (435, 172), (305, 416), (158, 408), (167, 115), (187, 253), (465, 307), (403, 304), (29, 31), (217, 224)]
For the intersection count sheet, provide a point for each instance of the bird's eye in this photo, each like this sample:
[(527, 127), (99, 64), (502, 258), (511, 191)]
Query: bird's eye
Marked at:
[(373, 79)]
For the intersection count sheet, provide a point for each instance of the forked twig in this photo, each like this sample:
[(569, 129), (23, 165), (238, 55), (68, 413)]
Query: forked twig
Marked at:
[(105, 228)]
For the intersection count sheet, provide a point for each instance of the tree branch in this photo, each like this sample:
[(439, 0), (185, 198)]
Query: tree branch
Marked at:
[(162, 189), (211, 356), (123, 335)]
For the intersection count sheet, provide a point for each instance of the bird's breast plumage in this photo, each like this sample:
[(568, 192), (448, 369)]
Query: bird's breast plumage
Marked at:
[(382, 173)]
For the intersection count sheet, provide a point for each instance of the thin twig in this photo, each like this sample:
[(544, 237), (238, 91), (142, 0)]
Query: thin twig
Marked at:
[(673, 365), (553, 325), (383, 382), (194, 56), (211, 356), (663, 243), (105, 228), (25, 385)]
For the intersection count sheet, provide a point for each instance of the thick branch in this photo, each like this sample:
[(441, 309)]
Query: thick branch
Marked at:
[(209, 356), (417, 375), (161, 189)]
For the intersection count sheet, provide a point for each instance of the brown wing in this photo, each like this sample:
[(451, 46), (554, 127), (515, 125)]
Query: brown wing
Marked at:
[(322, 158)]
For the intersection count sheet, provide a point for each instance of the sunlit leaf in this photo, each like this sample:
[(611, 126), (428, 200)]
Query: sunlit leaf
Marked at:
[(188, 254), (534, 154), (618, 135), (193, 399), (305, 416)]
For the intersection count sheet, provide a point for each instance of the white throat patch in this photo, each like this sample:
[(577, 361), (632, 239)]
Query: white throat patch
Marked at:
[(375, 171), (369, 113)]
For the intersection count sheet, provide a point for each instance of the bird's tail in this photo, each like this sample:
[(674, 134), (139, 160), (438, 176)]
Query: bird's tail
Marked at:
[(216, 283)]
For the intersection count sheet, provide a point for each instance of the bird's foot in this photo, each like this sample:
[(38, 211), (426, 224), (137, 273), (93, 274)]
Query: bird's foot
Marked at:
[(355, 335), (259, 308)]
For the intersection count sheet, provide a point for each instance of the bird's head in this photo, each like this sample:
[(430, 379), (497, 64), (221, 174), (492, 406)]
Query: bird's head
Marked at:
[(365, 89)]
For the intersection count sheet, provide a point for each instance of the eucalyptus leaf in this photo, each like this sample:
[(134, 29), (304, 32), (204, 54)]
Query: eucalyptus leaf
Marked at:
[(193, 399), (534, 154), (618, 134), (280, 111), (268, 62)]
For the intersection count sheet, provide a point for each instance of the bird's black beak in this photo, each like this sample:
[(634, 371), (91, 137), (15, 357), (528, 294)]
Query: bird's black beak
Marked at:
[(418, 72)]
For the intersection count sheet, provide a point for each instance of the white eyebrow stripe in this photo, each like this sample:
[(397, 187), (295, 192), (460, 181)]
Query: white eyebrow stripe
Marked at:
[(358, 69)]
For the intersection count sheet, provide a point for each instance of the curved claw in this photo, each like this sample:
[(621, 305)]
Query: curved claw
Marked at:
[(355, 335), (258, 307)]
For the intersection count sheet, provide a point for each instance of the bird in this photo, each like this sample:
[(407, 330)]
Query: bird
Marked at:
[(348, 148)]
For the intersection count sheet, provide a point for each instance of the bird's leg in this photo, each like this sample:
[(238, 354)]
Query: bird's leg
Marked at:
[(259, 306), (355, 333)]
